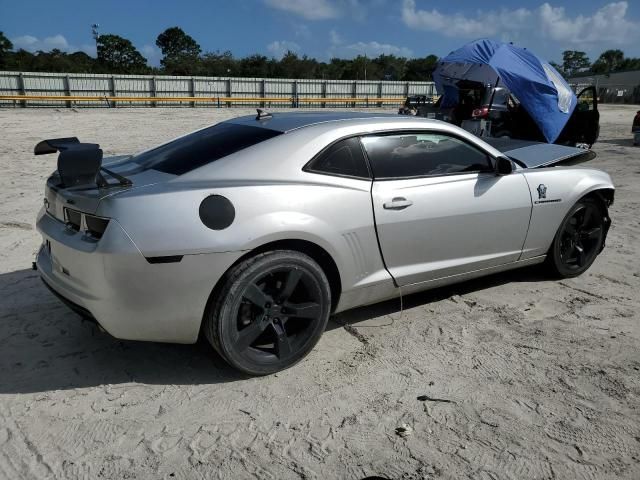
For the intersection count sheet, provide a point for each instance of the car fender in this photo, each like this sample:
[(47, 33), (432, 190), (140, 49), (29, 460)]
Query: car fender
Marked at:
[(554, 190)]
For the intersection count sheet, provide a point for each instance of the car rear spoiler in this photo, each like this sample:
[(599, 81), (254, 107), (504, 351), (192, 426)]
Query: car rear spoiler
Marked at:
[(79, 164)]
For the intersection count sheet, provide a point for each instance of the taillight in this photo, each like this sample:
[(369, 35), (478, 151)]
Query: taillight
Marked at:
[(96, 225), (89, 224), (480, 112), (73, 219)]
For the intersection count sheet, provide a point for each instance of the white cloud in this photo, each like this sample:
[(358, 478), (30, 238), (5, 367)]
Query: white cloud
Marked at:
[(486, 23), (309, 9), (373, 49), (339, 48), (25, 42), (278, 48), (323, 9), (301, 30), (608, 24), (335, 38), (34, 44), (57, 41), (152, 54)]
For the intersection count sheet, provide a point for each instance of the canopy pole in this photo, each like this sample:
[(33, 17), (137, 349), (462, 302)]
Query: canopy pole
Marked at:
[(493, 93)]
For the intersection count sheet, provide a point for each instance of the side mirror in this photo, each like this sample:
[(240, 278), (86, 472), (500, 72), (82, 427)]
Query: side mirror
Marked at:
[(504, 166)]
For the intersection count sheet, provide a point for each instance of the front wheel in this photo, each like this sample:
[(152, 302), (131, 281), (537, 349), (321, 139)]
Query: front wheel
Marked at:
[(579, 239), (270, 312)]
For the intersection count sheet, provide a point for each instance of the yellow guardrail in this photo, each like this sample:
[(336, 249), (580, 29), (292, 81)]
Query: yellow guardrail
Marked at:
[(106, 98)]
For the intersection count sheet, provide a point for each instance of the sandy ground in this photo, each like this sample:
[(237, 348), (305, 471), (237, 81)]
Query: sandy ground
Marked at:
[(541, 377)]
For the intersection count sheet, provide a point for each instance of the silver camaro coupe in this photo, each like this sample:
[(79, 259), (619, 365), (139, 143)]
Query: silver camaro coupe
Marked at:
[(255, 230)]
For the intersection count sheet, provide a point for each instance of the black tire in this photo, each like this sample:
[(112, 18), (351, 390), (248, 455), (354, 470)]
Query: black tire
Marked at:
[(579, 239), (270, 312)]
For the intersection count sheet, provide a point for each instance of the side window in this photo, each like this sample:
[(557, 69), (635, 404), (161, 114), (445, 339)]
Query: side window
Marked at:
[(342, 158), (415, 155), (586, 100)]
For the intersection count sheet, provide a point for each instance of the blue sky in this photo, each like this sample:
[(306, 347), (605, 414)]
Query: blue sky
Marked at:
[(326, 28)]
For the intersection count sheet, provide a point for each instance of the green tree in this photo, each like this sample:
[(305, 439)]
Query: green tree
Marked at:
[(608, 61), (388, 67), (420, 69), (181, 52), (5, 48), (630, 64), (359, 68), (257, 66), (292, 66), (118, 55), (573, 61), (216, 64)]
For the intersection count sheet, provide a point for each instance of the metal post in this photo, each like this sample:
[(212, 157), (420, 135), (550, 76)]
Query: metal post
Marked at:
[(263, 90), (229, 91), (380, 93), (192, 88), (354, 92), (23, 103), (67, 89), (112, 88), (324, 93), (294, 94), (153, 91)]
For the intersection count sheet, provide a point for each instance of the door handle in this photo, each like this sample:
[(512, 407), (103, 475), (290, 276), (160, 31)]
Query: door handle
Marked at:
[(398, 203)]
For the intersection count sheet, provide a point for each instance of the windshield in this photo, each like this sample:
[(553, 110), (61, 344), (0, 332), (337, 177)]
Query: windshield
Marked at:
[(202, 147)]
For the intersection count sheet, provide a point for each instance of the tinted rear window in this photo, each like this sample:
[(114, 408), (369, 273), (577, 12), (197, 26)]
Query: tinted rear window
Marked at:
[(342, 158), (202, 147)]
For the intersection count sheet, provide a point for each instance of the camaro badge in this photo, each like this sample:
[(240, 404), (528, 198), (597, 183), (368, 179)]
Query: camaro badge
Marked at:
[(542, 191)]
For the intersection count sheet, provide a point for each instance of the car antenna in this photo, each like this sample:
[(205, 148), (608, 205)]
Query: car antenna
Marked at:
[(262, 114)]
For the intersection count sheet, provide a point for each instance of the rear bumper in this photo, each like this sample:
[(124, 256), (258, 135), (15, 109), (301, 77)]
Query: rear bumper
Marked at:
[(111, 281)]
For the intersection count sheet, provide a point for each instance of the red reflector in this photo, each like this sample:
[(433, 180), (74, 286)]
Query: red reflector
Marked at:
[(480, 112)]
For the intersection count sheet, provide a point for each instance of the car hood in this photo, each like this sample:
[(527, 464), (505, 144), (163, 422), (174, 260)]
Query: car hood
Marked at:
[(536, 155)]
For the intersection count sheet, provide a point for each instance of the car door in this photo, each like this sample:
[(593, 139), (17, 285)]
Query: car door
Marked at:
[(440, 209), (585, 121)]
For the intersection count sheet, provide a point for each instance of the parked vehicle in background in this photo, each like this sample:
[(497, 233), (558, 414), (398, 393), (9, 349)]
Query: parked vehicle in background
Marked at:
[(635, 129), (414, 104), (499, 89), (508, 118)]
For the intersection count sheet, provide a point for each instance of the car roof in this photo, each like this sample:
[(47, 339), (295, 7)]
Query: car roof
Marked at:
[(287, 121)]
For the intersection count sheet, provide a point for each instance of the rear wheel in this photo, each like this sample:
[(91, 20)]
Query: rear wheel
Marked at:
[(579, 239), (270, 312)]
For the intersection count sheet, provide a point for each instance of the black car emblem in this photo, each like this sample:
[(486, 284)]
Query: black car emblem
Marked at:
[(542, 191)]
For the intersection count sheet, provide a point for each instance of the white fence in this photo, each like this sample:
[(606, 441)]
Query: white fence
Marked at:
[(214, 91)]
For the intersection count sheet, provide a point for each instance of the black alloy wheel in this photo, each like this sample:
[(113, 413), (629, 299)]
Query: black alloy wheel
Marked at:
[(271, 313), (579, 239)]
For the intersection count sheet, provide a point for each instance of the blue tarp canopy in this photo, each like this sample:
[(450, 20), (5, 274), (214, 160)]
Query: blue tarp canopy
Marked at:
[(539, 88)]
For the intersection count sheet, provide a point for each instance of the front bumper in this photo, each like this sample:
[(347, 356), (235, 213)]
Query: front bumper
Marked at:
[(114, 283)]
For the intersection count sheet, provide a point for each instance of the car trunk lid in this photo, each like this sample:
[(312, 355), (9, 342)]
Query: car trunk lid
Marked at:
[(85, 198), (537, 154)]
